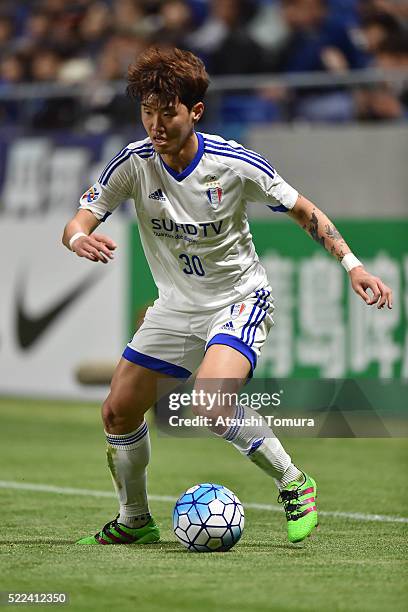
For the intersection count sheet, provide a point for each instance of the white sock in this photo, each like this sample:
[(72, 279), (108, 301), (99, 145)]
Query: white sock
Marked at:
[(128, 457), (259, 443)]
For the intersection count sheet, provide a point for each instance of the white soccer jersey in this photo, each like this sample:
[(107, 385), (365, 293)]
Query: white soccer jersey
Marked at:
[(193, 225)]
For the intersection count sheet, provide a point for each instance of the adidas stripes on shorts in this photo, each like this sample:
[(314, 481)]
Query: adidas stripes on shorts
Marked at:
[(174, 343)]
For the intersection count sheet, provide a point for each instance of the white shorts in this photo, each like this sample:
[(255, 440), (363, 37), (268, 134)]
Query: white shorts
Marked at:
[(174, 343)]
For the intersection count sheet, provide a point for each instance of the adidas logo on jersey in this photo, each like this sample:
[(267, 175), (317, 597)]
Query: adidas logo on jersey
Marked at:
[(157, 195), (229, 326)]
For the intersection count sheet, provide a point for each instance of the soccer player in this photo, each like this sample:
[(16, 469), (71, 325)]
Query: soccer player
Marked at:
[(214, 308)]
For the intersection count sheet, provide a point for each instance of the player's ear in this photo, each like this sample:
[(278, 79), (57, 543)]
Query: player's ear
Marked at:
[(197, 111)]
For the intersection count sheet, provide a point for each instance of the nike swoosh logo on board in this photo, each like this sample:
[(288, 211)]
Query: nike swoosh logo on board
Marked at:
[(29, 329)]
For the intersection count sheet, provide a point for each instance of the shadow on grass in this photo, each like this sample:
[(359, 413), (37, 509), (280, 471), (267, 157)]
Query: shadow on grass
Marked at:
[(174, 547), (36, 542), (165, 546), (267, 547)]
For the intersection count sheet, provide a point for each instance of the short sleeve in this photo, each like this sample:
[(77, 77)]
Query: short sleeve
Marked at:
[(272, 190), (113, 187)]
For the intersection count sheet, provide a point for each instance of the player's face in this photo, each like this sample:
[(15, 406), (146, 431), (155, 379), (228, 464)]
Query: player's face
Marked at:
[(169, 127)]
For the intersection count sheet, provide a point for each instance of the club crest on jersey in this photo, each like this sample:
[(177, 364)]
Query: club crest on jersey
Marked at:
[(236, 310), (92, 194), (214, 191), (214, 195)]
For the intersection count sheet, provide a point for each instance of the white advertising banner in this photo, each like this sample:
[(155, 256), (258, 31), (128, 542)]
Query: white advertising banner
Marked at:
[(57, 310)]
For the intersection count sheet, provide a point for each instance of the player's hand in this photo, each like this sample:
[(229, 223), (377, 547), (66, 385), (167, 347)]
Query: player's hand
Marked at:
[(95, 247), (361, 280)]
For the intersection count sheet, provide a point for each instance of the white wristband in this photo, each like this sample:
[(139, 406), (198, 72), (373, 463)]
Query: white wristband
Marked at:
[(350, 261), (74, 237)]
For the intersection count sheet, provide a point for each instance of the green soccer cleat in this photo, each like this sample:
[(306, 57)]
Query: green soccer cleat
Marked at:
[(299, 502), (116, 533)]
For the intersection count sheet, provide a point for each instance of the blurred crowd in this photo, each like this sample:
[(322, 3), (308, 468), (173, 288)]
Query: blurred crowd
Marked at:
[(90, 41)]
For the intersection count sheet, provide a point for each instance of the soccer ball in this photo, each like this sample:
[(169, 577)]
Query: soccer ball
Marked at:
[(208, 518)]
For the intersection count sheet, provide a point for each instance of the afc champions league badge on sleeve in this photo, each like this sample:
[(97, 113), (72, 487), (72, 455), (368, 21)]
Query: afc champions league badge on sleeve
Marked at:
[(91, 195), (214, 191)]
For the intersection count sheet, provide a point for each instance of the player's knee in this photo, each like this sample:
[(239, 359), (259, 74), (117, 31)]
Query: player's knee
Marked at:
[(200, 408), (206, 406), (110, 416), (118, 413)]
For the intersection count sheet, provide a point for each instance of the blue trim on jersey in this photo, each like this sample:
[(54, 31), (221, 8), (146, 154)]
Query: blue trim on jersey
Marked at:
[(123, 159), (192, 165), (237, 344), (153, 363), (260, 293), (241, 150), (144, 152), (113, 167), (122, 152), (278, 209), (262, 301), (263, 306), (105, 216), (241, 158), (249, 318), (258, 320), (111, 162)]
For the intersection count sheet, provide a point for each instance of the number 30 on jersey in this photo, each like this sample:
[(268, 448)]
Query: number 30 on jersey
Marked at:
[(193, 264)]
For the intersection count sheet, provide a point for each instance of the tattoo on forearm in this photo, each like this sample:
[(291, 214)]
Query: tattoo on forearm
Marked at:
[(333, 233), (335, 236), (339, 254), (330, 232), (313, 229)]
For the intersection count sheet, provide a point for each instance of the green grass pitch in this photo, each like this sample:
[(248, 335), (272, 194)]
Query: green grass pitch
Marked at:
[(350, 564)]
